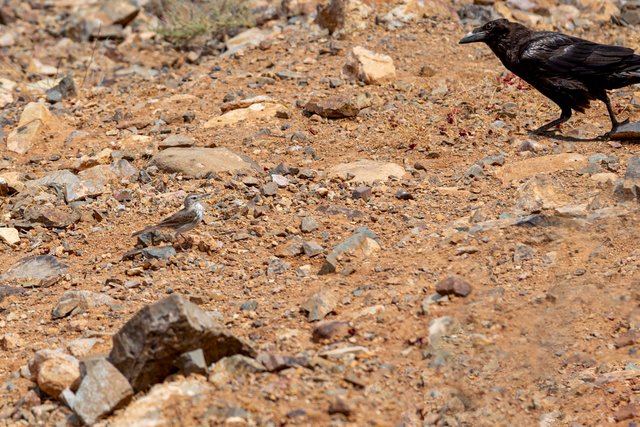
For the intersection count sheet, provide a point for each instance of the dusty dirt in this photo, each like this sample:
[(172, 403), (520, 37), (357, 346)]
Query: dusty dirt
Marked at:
[(531, 345)]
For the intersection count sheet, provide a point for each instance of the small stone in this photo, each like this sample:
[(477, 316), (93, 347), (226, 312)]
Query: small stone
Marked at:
[(76, 302), (312, 249), (362, 192), (368, 66), (332, 331), (103, 390), (233, 367), (403, 195), (81, 347), (176, 141), (35, 270), (276, 266), (9, 235), (453, 285), (308, 225), (192, 362), (629, 188), (56, 374), (270, 189), (319, 305), (522, 252), (277, 362), (281, 180), (362, 243), (340, 406), (162, 252), (337, 107), (51, 216), (249, 306), (495, 160), (474, 172)]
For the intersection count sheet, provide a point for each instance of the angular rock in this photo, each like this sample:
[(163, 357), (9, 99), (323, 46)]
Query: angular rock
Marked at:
[(277, 266), (60, 179), (151, 409), (362, 192), (176, 141), (8, 290), (254, 112), (338, 106), (11, 182), (229, 368), (81, 346), (522, 252), (312, 249), (279, 362), (332, 331), (540, 192), (361, 244), (248, 39), (91, 182), (102, 390), (290, 248), (9, 235), (58, 373), (367, 171), (629, 188), (51, 216), (453, 285), (627, 131), (368, 66), (308, 225), (192, 362), (33, 119), (319, 305), (76, 302), (197, 162), (244, 103), (161, 252), (146, 347), (35, 271)]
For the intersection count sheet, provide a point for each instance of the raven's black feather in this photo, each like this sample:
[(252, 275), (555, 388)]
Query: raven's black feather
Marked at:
[(568, 70)]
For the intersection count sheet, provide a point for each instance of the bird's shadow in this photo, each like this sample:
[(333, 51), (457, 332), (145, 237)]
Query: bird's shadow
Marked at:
[(566, 138)]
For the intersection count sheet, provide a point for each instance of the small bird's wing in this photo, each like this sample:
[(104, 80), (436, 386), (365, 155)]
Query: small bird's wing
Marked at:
[(561, 55), (177, 219)]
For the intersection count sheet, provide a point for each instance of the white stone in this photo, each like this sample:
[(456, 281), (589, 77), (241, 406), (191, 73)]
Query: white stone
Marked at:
[(9, 235), (369, 67)]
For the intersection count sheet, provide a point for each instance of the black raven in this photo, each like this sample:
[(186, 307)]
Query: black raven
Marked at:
[(568, 70)]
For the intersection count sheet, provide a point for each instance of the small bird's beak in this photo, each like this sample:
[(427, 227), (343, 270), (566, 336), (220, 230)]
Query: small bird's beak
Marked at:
[(473, 37)]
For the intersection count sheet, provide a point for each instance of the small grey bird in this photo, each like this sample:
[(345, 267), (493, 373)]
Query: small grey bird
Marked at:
[(182, 221)]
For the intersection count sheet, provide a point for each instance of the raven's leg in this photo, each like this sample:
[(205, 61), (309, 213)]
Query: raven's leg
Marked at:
[(614, 122), (564, 116)]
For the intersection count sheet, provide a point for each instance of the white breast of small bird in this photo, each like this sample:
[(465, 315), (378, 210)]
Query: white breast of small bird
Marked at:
[(199, 211)]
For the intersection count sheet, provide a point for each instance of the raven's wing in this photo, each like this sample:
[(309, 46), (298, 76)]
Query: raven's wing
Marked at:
[(561, 55)]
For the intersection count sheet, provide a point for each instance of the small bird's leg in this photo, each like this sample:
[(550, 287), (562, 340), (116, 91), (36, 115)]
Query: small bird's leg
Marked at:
[(564, 116), (614, 122)]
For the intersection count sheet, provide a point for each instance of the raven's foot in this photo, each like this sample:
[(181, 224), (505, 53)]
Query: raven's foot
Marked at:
[(615, 127)]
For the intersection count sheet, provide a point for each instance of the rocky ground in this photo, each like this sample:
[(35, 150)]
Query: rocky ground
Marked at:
[(384, 244)]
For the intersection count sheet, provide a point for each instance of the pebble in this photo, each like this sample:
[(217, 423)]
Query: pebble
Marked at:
[(453, 285)]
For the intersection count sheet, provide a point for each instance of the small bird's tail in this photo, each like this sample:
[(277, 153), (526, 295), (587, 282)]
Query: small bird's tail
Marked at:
[(144, 230)]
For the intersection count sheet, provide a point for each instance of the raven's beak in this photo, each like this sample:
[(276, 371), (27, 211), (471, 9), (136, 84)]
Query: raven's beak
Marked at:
[(473, 37)]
